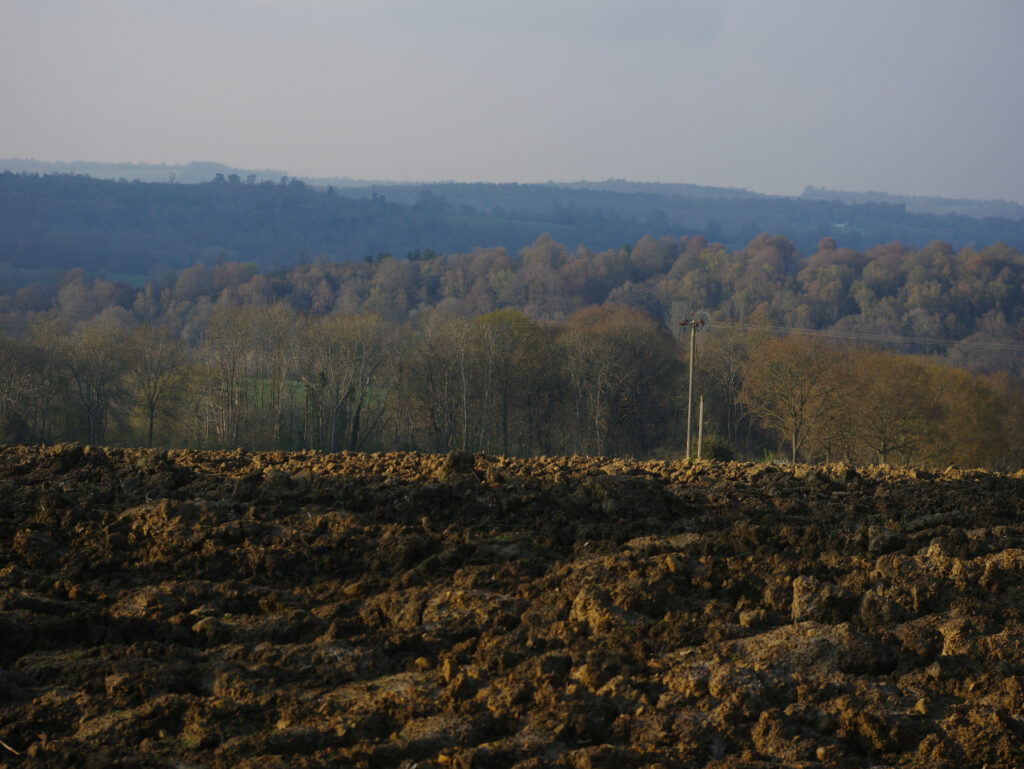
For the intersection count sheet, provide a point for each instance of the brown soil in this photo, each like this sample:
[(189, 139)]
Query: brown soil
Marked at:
[(191, 609)]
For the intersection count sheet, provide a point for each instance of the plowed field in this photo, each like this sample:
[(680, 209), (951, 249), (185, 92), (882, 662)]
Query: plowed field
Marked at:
[(205, 609)]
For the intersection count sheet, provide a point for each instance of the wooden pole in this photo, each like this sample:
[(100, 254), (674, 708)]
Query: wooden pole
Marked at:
[(700, 426), (696, 319), (689, 395)]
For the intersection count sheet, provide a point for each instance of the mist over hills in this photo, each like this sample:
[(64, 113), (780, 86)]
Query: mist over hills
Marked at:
[(922, 204), (139, 221), (194, 172), (197, 172)]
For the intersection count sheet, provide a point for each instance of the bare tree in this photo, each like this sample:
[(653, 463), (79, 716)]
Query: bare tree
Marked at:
[(95, 355), (789, 386), (343, 360), (435, 377), (896, 408), (506, 344), (226, 353), (589, 364), (273, 363), (47, 402), (15, 361), (622, 367), (154, 371)]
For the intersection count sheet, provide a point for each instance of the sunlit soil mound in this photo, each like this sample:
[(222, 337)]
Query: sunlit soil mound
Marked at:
[(233, 609)]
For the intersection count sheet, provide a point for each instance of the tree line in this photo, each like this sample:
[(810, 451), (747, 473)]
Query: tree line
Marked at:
[(547, 351), (56, 222), (608, 380), (974, 297)]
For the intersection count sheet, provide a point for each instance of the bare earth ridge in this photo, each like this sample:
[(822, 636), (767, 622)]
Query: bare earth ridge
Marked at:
[(237, 609)]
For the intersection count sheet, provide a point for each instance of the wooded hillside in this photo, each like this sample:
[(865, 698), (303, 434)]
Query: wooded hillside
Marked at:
[(139, 231), (549, 351)]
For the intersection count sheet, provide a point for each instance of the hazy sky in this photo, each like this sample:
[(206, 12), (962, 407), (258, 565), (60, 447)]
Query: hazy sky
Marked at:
[(903, 96)]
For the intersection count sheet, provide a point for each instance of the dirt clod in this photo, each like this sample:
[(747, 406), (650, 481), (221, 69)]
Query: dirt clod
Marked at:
[(233, 609)]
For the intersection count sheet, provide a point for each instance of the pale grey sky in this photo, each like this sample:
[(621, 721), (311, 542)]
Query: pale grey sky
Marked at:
[(902, 96)]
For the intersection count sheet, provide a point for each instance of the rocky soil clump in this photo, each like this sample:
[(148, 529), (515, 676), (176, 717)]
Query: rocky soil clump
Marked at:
[(236, 609)]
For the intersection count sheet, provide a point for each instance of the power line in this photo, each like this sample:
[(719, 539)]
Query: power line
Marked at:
[(830, 333), (884, 338)]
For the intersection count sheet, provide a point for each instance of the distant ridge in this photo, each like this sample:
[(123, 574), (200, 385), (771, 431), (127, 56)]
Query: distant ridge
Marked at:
[(921, 204), (195, 172), (198, 172), (674, 189), (665, 188)]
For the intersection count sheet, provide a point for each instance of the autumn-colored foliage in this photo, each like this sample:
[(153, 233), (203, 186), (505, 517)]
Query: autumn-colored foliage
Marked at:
[(547, 351)]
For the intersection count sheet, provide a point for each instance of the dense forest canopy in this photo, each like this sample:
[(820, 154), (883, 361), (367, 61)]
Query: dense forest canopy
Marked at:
[(138, 231), (546, 350), (972, 297)]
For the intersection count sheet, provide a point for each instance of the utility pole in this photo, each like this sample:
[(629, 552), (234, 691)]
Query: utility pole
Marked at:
[(697, 318), (700, 427)]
